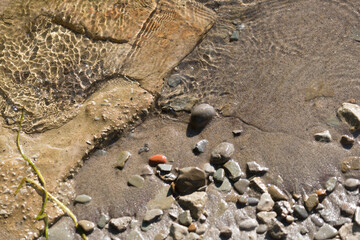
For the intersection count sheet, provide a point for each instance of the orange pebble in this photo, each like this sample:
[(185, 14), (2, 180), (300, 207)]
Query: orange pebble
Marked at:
[(192, 228), (156, 159)]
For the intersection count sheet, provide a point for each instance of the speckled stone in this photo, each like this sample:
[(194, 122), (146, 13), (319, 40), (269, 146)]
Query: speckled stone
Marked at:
[(233, 169), (300, 211), (82, 198), (266, 203), (241, 185), (153, 215), (222, 153), (325, 232), (86, 225), (104, 219), (201, 115), (323, 136), (330, 184), (219, 175), (124, 156), (136, 181), (311, 202)]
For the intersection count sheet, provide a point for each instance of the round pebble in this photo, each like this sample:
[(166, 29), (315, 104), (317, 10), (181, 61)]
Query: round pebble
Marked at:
[(86, 225), (351, 184), (201, 115), (82, 198)]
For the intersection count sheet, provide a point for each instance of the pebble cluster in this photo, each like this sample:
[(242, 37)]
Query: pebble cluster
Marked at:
[(331, 212)]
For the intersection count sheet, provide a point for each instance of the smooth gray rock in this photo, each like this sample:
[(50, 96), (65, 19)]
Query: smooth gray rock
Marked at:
[(120, 224), (174, 80), (124, 156), (325, 232), (235, 36), (266, 217), (164, 167), (311, 202), (233, 169), (241, 185), (318, 221), (134, 235), (222, 153), (219, 175), (258, 185), (190, 179), (185, 218), (194, 202), (104, 219), (225, 186), (323, 136), (254, 167), (153, 215), (201, 115), (200, 146), (136, 181), (300, 211), (178, 231), (87, 226), (266, 203), (350, 113), (276, 193), (252, 201), (330, 184), (351, 184), (82, 199), (248, 225)]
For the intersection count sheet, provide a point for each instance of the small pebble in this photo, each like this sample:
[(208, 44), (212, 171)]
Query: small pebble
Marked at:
[(301, 211), (276, 193), (153, 215), (237, 133), (147, 171), (242, 200), (325, 232), (200, 146), (234, 36), (120, 224), (222, 153), (311, 202), (225, 233), (323, 136), (157, 159), (124, 156), (185, 218), (87, 226), (318, 221), (258, 185), (241, 185), (209, 169), (330, 184), (233, 169), (145, 148), (347, 140), (178, 231), (289, 219), (248, 225), (254, 167), (104, 219), (266, 203), (136, 181), (266, 217), (192, 228), (225, 186), (164, 167), (352, 184), (262, 228), (82, 198), (219, 175), (252, 201)]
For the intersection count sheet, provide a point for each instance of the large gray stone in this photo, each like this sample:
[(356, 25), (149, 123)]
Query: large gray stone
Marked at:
[(201, 115), (194, 202), (241, 185), (233, 169), (190, 179), (222, 153)]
